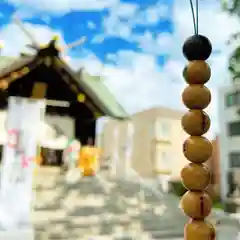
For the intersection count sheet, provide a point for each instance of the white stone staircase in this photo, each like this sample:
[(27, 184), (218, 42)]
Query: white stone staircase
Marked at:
[(74, 211), (86, 208)]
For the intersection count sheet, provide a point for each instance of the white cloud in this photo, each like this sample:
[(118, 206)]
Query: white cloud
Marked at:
[(138, 82), (159, 45), (154, 13), (115, 27), (123, 17), (25, 13), (123, 10), (63, 6)]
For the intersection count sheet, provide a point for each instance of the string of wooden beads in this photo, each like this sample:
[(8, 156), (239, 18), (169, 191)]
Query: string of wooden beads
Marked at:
[(196, 202)]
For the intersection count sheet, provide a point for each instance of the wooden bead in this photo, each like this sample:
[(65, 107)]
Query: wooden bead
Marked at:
[(196, 205), (195, 177), (199, 230), (196, 122), (197, 72), (196, 96), (197, 149)]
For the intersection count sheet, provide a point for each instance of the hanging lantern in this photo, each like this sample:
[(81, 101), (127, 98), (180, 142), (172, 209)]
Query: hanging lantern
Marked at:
[(81, 97)]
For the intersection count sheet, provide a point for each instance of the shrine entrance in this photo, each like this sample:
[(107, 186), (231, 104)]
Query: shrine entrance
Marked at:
[(84, 121), (51, 157)]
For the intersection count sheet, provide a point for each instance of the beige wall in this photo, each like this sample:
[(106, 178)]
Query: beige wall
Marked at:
[(144, 152)]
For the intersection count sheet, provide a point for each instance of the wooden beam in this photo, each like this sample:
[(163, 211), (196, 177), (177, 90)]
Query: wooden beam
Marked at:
[(39, 90), (55, 103), (92, 108)]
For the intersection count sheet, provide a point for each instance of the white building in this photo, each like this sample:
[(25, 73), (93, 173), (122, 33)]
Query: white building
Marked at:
[(229, 136)]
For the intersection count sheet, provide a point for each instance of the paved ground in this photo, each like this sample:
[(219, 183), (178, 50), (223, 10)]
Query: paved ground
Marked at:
[(108, 209)]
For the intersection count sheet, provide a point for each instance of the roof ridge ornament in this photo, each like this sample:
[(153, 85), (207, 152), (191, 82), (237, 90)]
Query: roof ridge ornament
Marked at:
[(36, 46)]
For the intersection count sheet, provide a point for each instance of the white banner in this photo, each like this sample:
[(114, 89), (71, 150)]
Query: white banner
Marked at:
[(22, 124)]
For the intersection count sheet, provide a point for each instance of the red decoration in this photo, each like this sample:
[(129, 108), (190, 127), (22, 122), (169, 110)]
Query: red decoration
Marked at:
[(13, 138)]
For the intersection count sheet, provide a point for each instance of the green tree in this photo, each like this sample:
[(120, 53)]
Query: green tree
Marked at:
[(233, 7)]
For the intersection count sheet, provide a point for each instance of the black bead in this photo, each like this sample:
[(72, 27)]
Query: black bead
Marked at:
[(197, 47)]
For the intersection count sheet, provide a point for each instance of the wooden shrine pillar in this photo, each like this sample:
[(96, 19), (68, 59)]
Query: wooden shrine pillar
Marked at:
[(39, 91)]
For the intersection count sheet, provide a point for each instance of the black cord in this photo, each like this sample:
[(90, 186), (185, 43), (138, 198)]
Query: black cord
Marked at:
[(195, 20), (193, 16), (196, 16)]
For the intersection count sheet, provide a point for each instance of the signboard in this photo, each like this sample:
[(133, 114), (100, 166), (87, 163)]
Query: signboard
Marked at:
[(18, 163)]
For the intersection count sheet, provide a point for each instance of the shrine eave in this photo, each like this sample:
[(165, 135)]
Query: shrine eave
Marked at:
[(100, 99)]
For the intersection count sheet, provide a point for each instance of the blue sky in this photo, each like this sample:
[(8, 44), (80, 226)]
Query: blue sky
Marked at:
[(135, 45), (89, 23)]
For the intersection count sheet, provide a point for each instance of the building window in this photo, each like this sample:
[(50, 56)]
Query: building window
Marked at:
[(162, 130), (234, 129), (232, 99), (229, 100), (234, 160), (163, 159)]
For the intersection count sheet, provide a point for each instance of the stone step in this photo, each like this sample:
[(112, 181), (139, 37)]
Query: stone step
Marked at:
[(104, 228), (168, 234), (74, 210)]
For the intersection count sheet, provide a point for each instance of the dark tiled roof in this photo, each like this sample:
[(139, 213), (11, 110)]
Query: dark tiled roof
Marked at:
[(9, 64), (99, 93), (92, 85)]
